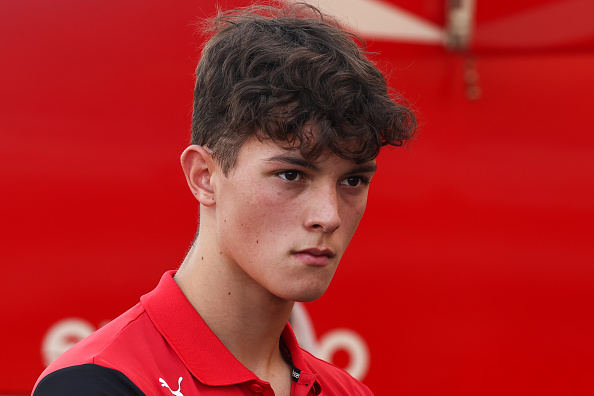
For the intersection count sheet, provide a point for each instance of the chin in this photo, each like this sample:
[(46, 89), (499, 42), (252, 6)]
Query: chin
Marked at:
[(304, 295), (308, 298)]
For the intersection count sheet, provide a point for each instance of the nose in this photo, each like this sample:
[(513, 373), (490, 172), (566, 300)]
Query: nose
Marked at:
[(323, 210)]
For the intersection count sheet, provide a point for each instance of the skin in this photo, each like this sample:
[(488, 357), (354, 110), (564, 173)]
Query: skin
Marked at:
[(272, 232)]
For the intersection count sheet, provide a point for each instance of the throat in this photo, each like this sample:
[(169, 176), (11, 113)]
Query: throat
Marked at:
[(279, 374)]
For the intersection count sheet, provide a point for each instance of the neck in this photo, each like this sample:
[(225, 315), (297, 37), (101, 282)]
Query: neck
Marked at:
[(246, 317)]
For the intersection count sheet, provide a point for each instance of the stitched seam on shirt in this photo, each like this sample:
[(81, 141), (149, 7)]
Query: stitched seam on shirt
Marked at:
[(113, 338)]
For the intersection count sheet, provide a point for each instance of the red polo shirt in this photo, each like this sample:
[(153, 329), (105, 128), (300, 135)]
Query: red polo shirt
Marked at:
[(163, 347)]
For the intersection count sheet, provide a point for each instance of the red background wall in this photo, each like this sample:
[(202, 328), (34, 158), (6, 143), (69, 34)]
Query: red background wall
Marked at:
[(470, 274)]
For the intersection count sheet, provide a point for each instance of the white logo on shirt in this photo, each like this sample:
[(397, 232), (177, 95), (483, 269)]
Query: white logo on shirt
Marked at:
[(178, 391)]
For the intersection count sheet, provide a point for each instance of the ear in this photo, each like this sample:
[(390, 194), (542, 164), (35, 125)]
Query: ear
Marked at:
[(198, 165)]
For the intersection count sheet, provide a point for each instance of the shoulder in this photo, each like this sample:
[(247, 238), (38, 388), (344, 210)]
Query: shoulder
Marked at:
[(86, 379), (335, 379), (113, 353), (104, 341)]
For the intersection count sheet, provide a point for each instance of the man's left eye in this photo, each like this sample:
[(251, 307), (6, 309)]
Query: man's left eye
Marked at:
[(354, 181)]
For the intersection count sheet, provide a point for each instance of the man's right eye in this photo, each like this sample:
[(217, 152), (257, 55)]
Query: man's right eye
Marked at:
[(289, 175)]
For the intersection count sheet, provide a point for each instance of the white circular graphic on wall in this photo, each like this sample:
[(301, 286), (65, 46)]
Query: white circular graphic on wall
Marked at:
[(62, 335), (345, 340)]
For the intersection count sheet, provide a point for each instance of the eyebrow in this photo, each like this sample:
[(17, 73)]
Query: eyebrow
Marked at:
[(364, 169), (292, 160), (297, 161)]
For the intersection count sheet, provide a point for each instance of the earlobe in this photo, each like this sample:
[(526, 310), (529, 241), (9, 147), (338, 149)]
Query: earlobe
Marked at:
[(198, 165)]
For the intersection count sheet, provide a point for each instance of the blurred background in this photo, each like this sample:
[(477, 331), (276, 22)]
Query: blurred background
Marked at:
[(472, 272)]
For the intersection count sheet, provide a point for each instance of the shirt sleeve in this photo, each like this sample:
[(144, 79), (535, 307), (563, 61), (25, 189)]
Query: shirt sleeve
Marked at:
[(87, 380)]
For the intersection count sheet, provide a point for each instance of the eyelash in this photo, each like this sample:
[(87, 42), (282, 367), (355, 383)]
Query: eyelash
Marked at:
[(362, 179), (281, 173)]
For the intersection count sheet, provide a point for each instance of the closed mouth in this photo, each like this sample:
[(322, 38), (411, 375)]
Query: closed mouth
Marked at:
[(318, 252)]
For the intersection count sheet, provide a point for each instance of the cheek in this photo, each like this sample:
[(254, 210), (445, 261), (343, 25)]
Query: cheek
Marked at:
[(353, 210), (258, 218), (276, 215)]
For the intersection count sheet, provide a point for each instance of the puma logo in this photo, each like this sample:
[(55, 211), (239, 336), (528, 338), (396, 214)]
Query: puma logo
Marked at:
[(178, 391)]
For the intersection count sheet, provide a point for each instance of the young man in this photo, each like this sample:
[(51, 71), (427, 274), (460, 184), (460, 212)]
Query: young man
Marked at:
[(289, 116)]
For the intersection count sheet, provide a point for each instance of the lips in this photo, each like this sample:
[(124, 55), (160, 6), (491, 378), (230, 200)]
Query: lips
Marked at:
[(317, 257)]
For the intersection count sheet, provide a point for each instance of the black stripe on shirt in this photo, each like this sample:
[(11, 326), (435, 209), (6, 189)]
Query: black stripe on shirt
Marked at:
[(87, 380)]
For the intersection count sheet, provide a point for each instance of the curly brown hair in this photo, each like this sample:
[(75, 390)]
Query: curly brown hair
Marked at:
[(272, 71)]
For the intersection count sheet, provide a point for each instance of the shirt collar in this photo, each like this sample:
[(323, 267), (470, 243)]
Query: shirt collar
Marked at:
[(196, 345)]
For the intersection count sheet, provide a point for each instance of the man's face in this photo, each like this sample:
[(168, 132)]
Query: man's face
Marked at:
[(285, 221)]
